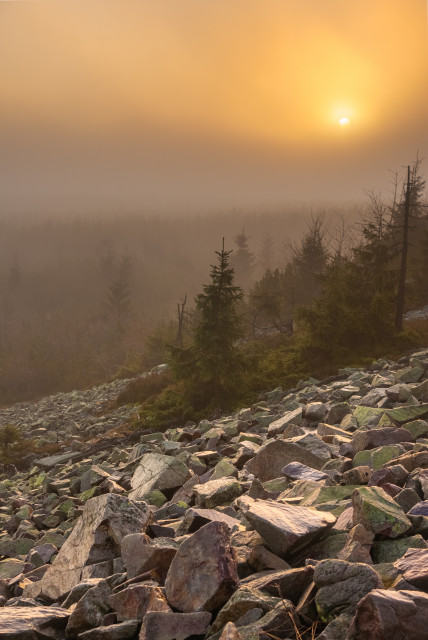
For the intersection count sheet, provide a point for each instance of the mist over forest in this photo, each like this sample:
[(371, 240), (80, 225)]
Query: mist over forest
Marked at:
[(58, 326)]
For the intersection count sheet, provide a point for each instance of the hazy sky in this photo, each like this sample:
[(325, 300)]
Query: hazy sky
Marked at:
[(130, 104)]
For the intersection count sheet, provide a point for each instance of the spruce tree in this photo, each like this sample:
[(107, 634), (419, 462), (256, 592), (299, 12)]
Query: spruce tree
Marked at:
[(212, 367)]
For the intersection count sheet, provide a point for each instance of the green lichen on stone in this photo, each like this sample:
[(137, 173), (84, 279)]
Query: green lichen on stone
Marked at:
[(384, 551), (401, 415), (156, 497), (378, 512)]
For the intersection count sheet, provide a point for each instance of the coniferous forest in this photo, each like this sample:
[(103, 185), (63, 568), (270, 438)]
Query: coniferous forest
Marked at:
[(84, 300)]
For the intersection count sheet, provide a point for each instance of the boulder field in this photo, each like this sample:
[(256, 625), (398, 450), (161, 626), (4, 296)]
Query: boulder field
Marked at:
[(304, 516)]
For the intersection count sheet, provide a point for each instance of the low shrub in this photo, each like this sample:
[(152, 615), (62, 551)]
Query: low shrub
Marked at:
[(13, 445)]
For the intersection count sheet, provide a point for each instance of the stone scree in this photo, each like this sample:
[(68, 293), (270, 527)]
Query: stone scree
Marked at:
[(303, 516)]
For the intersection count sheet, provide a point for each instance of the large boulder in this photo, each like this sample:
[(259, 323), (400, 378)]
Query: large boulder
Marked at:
[(285, 528), (156, 471), (95, 540), (203, 574), (390, 615)]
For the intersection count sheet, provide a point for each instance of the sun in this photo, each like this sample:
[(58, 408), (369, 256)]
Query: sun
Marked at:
[(344, 121)]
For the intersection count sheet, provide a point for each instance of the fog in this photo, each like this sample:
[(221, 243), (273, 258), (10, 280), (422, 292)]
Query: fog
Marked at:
[(166, 106)]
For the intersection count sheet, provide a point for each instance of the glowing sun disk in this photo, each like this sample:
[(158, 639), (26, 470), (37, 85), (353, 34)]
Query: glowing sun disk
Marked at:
[(344, 122)]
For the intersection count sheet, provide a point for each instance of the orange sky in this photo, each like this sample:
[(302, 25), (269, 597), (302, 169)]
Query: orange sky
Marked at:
[(142, 102)]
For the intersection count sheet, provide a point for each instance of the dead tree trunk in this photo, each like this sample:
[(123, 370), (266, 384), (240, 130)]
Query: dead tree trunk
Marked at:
[(401, 292)]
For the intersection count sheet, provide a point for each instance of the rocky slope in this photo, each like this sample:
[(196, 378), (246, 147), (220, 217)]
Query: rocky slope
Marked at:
[(303, 516)]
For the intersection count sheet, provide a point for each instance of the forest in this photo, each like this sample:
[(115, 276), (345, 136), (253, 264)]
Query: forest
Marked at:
[(85, 299)]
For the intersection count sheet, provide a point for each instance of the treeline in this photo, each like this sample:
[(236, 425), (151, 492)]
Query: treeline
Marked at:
[(84, 300), (81, 298), (339, 299)]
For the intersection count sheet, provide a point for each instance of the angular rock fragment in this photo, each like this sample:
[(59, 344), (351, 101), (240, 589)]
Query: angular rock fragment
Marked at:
[(386, 615), (285, 528), (277, 623), (136, 600), (123, 631), (242, 601), (140, 555), (19, 623), (230, 632), (203, 575), (291, 417), (260, 558), (289, 584), (216, 492), (373, 438), (341, 585), (358, 545), (95, 539), (414, 567), (90, 610), (272, 457), (378, 512), (156, 471), (299, 471), (194, 519), (173, 626)]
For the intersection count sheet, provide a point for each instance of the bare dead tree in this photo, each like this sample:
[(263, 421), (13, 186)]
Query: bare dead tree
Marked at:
[(401, 292), (180, 312)]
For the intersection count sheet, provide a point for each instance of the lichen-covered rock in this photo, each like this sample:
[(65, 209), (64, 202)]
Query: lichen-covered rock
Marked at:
[(156, 471), (242, 601), (378, 512), (216, 492), (384, 551), (341, 585)]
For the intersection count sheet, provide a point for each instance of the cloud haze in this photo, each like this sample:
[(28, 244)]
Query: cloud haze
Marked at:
[(136, 104)]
